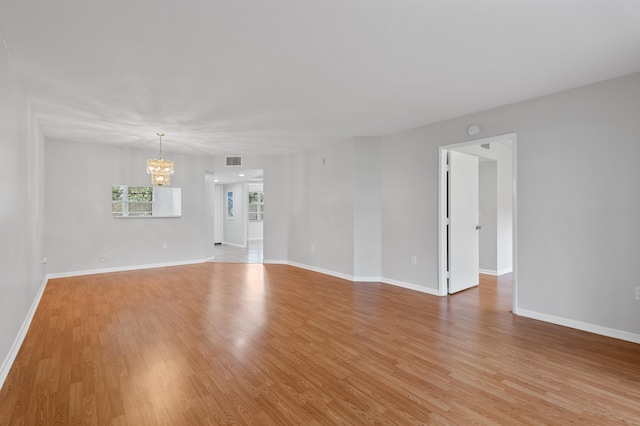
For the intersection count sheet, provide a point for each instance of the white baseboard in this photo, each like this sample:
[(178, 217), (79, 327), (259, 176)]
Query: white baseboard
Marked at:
[(123, 268), (347, 277), (274, 262), (322, 271), (362, 279), (421, 289), (17, 343), (579, 325), (233, 245), (496, 273)]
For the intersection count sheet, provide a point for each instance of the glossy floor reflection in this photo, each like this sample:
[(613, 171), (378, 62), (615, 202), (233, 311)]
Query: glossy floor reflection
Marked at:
[(231, 254), (233, 343)]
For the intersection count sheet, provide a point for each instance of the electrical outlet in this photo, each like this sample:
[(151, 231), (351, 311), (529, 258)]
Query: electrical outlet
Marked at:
[(164, 245), (637, 292), (414, 260), (43, 260)]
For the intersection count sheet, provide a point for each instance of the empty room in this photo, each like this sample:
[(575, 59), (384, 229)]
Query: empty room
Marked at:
[(451, 193)]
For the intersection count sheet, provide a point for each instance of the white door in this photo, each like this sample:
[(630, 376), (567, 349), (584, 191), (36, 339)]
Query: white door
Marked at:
[(218, 214), (463, 221)]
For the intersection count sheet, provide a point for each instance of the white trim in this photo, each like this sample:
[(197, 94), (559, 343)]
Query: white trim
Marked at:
[(274, 262), (443, 221), (514, 220), (234, 244), (17, 343), (496, 273), (124, 268), (382, 280), (367, 279), (322, 271), (579, 325), (415, 287)]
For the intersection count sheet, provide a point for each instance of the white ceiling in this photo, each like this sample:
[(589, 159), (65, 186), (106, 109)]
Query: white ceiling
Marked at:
[(226, 176), (278, 76)]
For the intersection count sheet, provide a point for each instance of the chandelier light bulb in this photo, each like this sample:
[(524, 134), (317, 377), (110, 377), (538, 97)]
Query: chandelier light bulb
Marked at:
[(160, 170)]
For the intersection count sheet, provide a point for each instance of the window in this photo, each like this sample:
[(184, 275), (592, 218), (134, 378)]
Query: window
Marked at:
[(256, 206), (129, 200)]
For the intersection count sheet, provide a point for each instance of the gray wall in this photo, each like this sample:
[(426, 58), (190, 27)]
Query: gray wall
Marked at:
[(321, 201), (83, 236), (578, 233), (81, 233), (367, 239), (488, 196), (21, 211), (276, 207), (409, 209)]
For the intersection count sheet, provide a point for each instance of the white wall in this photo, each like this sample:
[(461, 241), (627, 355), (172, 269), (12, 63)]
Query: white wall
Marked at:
[(234, 228), (496, 242), (21, 212), (255, 228), (81, 233), (167, 201), (504, 212), (578, 233), (209, 206), (488, 206)]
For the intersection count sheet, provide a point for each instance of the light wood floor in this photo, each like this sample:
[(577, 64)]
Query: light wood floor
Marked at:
[(222, 343)]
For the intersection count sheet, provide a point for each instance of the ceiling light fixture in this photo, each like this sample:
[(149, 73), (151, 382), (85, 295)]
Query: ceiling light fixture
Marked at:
[(160, 170)]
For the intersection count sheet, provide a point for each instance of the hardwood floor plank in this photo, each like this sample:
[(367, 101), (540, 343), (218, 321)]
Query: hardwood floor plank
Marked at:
[(222, 343)]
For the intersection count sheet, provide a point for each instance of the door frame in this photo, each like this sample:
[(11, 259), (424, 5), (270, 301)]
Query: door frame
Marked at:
[(442, 210)]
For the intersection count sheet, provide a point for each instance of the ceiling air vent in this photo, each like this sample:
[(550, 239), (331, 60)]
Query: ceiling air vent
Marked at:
[(486, 145), (233, 161)]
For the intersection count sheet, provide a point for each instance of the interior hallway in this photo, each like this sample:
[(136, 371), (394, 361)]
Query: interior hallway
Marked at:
[(225, 253)]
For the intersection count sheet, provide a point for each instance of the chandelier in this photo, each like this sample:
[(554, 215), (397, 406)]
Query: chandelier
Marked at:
[(160, 170)]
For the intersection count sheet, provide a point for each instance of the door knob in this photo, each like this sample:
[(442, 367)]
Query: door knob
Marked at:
[(478, 227)]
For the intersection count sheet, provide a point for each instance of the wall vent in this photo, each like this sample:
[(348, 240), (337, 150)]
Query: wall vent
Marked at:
[(486, 145), (233, 161)]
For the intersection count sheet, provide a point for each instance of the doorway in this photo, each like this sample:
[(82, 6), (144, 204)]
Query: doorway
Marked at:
[(236, 216), (451, 262)]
